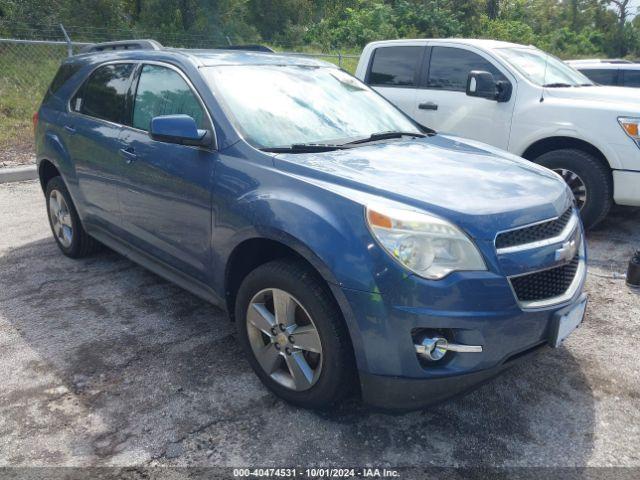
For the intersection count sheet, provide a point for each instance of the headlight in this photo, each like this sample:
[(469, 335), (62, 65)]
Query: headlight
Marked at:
[(428, 246), (631, 126)]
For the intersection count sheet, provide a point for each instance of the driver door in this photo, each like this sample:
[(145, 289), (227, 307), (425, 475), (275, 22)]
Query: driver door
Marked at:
[(441, 102)]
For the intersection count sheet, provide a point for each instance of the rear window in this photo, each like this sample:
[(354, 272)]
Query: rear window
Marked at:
[(65, 72), (395, 66), (632, 78), (104, 94), (603, 77)]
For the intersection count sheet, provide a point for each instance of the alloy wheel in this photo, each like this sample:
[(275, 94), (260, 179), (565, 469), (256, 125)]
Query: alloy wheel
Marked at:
[(284, 339), (576, 184), (60, 218)]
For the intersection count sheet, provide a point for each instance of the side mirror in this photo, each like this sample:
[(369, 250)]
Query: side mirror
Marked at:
[(483, 85), (180, 129)]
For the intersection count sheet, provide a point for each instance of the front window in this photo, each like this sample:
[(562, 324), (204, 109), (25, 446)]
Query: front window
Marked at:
[(162, 91), (279, 106), (543, 69)]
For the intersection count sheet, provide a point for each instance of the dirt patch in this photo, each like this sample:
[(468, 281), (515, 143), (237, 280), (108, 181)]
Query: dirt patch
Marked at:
[(22, 153)]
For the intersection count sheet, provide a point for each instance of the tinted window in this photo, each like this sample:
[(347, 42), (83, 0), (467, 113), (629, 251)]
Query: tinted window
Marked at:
[(105, 92), (162, 91), (65, 72), (450, 67), (395, 66), (632, 78), (603, 77)]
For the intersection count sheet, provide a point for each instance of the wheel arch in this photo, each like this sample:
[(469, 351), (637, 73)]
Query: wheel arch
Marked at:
[(46, 171), (549, 144), (252, 252)]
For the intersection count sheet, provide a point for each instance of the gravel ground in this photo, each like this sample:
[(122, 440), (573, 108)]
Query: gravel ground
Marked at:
[(17, 154), (105, 364)]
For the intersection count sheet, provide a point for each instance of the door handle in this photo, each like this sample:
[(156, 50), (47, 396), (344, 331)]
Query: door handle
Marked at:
[(428, 106), (128, 154), (70, 128)]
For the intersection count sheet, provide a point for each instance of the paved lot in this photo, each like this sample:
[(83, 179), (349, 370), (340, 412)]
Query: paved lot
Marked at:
[(103, 363)]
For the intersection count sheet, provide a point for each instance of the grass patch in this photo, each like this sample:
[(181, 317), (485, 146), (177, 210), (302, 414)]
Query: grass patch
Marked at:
[(25, 74)]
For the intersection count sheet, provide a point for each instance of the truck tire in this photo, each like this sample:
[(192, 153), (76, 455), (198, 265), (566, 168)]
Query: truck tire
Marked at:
[(301, 350), (589, 180)]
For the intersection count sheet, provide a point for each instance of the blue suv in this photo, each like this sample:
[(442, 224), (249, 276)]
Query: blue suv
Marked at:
[(356, 250)]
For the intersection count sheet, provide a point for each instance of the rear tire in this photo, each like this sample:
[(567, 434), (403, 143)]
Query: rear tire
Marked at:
[(591, 173), (331, 367), (68, 232)]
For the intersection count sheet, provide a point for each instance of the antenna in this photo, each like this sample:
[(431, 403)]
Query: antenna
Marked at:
[(544, 76)]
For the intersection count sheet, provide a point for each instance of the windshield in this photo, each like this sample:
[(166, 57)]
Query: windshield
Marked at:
[(278, 106), (542, 68)]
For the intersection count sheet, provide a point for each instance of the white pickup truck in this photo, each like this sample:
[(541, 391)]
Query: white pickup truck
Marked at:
[(523, 100)]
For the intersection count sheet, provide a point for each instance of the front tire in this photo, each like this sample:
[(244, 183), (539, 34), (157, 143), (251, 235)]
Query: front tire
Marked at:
[(294, 336), (589, 180), (65, 223)]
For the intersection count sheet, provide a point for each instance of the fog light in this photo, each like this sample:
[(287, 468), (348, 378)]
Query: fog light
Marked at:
[(435, 348)]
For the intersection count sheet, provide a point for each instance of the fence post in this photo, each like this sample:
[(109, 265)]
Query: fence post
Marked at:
[(68, 40), (340, 59)]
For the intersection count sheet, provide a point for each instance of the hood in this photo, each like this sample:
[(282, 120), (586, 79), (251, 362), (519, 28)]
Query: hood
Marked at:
[(628, 96), (481, 188)]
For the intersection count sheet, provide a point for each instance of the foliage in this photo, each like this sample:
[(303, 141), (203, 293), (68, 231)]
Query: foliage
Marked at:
[(569, 28)]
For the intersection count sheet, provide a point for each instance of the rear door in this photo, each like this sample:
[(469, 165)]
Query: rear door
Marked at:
[(441, 102), (631, 78), (167, 189), (91, 130), (609, 76), (394, 71)]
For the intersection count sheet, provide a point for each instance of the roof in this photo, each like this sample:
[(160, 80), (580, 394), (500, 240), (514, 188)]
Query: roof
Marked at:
[(204, 58), (478, 42), (612, 61), (603, 65), (238, 57)]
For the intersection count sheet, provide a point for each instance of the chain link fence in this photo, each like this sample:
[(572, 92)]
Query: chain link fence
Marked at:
[(29, 59)]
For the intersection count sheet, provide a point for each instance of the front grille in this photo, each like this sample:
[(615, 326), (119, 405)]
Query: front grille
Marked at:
[(534, 233), (546, 284)]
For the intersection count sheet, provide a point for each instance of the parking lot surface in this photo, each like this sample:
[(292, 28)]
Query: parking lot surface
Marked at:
[(105, 364)]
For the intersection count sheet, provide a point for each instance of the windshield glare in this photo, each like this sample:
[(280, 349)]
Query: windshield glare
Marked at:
[(542, 68), (278, 106)]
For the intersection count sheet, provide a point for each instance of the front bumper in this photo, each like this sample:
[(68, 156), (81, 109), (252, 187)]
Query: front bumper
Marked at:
[(626, 187), (393, 376), (400, 394)]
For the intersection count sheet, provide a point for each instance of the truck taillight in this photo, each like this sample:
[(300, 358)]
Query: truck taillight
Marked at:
[(35, 120)]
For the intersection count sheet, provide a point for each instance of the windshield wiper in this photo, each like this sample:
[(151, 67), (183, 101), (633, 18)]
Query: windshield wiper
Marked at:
[(557, 85), (304, 148), (385, 136)]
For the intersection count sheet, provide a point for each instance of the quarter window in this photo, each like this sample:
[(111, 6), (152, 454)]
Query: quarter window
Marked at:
[(450, 67), (162, 91), (395, 66), (632, 78), (104, 94), (603, 77)]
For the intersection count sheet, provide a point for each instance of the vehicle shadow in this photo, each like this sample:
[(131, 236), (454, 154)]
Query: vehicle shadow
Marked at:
[(108, 364)]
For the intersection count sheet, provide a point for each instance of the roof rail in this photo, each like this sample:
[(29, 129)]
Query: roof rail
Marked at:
[(251, 48), (122, 45)]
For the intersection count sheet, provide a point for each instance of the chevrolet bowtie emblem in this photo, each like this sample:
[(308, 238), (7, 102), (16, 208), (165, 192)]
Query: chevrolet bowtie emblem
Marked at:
[(567, 251)]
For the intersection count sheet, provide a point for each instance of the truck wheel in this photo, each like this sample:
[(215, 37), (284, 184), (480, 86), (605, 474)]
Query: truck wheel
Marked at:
[(589, 180), (67, 229), (294, 335)]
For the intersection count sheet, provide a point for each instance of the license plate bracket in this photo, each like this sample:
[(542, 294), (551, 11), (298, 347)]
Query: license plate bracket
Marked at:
[(567, 321)]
